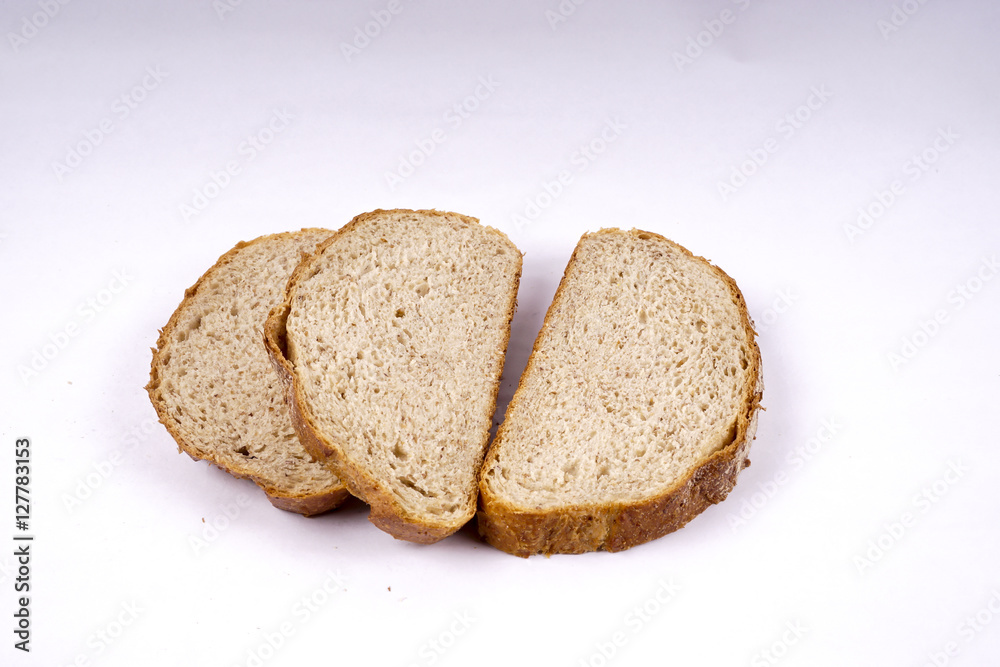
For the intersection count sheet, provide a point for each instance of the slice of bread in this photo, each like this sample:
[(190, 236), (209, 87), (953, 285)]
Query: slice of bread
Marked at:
[(637, 406), (391, 341), (213, 386)]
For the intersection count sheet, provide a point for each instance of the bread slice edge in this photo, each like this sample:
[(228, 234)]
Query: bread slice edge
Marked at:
[(308, 504), (614, 526)]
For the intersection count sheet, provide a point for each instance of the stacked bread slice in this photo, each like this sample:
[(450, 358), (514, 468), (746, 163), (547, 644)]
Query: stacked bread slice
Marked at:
[(391, 342), (387, 341), (214, 389)]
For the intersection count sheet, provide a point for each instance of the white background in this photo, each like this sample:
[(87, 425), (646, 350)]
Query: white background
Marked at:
[(100, 160)]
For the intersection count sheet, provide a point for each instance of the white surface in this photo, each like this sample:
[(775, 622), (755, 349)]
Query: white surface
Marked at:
[(844, 308)]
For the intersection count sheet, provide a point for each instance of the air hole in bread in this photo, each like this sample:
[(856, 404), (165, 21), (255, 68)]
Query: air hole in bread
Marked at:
[(410, 484)]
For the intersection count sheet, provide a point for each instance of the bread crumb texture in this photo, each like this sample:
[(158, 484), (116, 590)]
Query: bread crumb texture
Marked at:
[(397, 333), (645, 367)]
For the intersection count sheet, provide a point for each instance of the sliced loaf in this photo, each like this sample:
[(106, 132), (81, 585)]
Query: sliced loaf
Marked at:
[(391, 340), (214, 388), (637, 406)]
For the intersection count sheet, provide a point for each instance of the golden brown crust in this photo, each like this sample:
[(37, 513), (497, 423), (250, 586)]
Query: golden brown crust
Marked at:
[(302, 504), (386, 513), (619, 526), (309, 505)]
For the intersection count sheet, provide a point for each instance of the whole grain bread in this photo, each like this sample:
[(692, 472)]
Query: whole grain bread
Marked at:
[(391, 340), (212, 384), (637, 406)]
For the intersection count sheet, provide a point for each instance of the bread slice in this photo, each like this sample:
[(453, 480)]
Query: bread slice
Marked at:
[(637, 406), (391, 340), (213, 386)]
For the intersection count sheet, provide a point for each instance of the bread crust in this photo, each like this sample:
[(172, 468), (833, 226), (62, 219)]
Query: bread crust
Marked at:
[(614, 526), (386, 512), (308, 504)]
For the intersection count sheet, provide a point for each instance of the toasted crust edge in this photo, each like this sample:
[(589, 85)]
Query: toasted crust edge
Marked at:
[(386, 513), (307, 505), (614, 526)]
